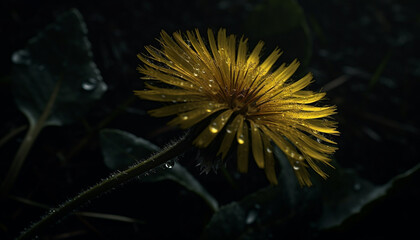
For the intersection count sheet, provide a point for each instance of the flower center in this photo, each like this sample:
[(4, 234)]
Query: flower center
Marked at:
[(242, 102)]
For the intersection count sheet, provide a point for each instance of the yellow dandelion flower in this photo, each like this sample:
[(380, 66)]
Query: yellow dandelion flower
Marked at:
[(244, 101)]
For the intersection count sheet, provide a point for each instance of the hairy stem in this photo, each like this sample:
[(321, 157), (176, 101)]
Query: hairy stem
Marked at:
[(106, 185)]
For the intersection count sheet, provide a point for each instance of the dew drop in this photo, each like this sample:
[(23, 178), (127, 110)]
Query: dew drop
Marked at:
[(213, 129), (170, 164), (357, 186), (228, 130), (184, 117), (292, 155), (252, 216), (195, 74), (269, 150), (163, 96), (241, 139), (90, 84), (318, 140), (21, 57), (296, 165)]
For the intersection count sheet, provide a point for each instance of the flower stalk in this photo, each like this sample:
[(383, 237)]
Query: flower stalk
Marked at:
[(106, 185)]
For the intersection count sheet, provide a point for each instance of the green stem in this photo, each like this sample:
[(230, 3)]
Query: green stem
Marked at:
[(12, 134), (28, 141), (106, 185), (20, 157)]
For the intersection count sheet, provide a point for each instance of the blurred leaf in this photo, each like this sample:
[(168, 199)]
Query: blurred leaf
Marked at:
[(61, 52), (281, 24), (289, 210), (122, 149), (347, 194), (54, 82), (267, 213)]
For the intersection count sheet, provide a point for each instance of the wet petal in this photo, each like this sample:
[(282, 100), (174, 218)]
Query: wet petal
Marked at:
[(269, 165), (257, 147), (208, 134), (230, 134), (243, 150)]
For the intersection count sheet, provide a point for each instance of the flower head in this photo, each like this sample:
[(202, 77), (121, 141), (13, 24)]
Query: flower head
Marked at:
[(243, 101)]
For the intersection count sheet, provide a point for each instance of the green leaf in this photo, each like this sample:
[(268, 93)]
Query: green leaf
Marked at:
[(59, 53), (54, 82), (122, 149), (347, 194), (281, 24), (288, 210), (267, 211)]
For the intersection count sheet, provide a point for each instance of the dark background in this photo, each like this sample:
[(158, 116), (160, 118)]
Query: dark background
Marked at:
[(361, 52)]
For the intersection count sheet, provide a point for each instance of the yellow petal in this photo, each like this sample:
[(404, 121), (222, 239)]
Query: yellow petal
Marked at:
[(270, 61), (243, 150), (208, 134), (190, 118), (230, 134), (257, 147), (254, 57), (240, 134), (323, 126), (219, 122), (283, 144), (269, 165), (286, 72), (304, 97), (312, 115)]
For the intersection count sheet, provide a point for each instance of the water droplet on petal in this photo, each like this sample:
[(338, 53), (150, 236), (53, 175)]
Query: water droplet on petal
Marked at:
[(296, 165), (241, 139), (228, 130), (184, 117), (213, 129), (163, 96), (269, 150), (195, 74)]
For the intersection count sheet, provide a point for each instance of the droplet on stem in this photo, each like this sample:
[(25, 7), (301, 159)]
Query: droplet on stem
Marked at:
[(170, 164)]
